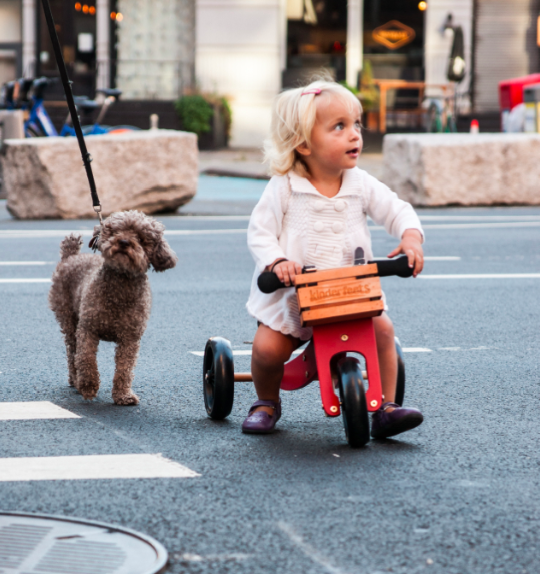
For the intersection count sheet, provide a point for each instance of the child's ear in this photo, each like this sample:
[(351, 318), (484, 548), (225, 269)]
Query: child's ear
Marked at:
[(303, 149)]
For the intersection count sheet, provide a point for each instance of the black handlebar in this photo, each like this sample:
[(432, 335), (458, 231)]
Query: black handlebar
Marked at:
[(268, 281)]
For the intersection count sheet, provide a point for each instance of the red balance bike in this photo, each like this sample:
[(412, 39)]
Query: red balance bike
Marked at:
[(339, 304)]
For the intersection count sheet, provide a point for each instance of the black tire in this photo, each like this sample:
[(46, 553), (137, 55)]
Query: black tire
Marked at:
[(353, 402), (400, 386), (218, 378)]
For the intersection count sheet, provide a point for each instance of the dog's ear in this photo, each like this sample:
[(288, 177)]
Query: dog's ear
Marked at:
[(162, 257)]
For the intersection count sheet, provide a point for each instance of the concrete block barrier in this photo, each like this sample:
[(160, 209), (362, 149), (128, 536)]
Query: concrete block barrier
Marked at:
[(151, 171), (463, 169)]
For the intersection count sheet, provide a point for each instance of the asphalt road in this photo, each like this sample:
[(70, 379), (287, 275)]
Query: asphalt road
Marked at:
[(458, 495)]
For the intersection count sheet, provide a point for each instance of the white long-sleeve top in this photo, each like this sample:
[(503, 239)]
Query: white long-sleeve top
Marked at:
[(294, 221)]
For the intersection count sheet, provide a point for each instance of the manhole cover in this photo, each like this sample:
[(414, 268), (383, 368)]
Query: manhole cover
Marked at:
[(34, 544)]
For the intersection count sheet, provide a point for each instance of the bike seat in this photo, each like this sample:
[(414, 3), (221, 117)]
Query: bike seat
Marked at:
[(115, 93), (86, 105)]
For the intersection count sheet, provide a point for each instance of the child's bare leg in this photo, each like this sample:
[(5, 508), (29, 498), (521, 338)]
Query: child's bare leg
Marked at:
[(271, 350), (386, 349)]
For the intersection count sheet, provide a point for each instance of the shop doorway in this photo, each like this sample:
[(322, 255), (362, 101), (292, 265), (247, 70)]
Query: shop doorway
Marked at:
[(76, 29), (316, 40)]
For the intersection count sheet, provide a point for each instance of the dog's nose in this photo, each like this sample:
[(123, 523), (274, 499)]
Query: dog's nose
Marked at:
[(123, 243)]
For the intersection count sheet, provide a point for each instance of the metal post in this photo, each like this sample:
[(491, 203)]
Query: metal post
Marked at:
[(103, 44), (29, 38), (355, 40)]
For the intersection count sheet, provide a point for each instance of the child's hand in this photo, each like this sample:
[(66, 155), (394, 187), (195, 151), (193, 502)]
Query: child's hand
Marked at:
[(411, 246), (286, 271)]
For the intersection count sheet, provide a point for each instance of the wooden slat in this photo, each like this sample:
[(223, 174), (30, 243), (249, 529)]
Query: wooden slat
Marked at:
[(339, 273), (342, 313), (338, 292)]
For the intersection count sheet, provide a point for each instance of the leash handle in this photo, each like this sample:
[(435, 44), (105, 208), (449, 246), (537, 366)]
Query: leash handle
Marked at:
[(66, 83)]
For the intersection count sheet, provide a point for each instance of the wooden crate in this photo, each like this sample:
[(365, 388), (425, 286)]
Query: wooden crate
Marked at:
[(340, 294)]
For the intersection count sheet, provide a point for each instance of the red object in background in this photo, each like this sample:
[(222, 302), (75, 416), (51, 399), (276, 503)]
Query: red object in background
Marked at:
[(511, 93)]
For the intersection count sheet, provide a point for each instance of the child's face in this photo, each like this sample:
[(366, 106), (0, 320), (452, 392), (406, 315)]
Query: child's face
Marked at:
[(336, 142)]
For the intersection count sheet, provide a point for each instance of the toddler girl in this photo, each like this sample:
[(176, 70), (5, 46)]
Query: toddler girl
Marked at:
[(313, 212)]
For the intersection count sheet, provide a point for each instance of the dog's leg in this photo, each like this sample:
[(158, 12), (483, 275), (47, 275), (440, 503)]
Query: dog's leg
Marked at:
[(86, 364), (126, 359), (70, 338)]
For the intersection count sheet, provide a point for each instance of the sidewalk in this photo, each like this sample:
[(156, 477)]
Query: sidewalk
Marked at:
[(248, 163)]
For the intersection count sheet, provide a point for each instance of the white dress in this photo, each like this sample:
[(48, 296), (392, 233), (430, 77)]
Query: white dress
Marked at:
[(293, 220)]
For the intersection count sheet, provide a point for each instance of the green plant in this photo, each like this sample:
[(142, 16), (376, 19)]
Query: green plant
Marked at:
[(195, 113), (368, 93), (350, 88)]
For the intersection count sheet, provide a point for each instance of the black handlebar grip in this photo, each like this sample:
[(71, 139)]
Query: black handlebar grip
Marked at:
[(268, 282), (399, 267)]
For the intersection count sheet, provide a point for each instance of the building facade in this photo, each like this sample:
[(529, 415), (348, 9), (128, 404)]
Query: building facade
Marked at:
[(249, 50)]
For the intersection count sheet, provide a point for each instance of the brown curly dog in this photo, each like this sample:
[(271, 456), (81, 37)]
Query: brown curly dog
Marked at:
[(107, 297)]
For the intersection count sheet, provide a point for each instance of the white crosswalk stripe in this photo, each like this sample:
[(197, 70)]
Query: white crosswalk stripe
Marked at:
[(88, 467), (34, 410), (91, 467)]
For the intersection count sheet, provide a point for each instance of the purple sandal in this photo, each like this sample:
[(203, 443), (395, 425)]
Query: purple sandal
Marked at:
[(386, 424), (261, 422)]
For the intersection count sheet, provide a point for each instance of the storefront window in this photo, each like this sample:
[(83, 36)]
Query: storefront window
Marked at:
[(394, 38), (316, 40)]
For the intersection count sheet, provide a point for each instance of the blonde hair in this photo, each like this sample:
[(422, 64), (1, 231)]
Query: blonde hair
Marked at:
[(293, 118)]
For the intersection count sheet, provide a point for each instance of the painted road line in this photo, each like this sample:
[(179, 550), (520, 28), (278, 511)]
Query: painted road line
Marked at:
[(494, 225), (25, 280), (50, 233), (35, 234), (207, 218), (203, 231), (484, 276), (93, 467), (477, 217), (34, 410), (27, 262), (416, 350), (42, 233)]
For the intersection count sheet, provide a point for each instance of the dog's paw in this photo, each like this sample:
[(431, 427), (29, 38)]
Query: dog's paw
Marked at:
[(126, 400), (88, 392)]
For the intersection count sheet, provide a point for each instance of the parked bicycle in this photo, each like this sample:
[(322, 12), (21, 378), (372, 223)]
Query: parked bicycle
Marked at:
[(27, 94)]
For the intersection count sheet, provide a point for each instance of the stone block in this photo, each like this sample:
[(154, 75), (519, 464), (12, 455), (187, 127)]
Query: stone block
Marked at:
[(150, 171), (463, 169)]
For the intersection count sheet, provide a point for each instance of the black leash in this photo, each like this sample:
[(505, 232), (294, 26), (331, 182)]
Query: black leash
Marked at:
[(86, 157)]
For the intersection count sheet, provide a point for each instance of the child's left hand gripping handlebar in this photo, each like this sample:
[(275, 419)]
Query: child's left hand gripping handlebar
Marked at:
[(268, 281)]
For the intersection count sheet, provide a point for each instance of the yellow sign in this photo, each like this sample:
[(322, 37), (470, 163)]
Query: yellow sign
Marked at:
[(393, 34)]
